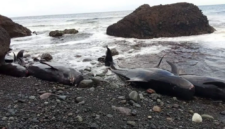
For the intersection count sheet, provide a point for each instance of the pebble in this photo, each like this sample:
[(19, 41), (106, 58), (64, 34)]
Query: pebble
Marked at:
[(141, 96), (58, 101), (11, 118), (4, 118), (175, 105), (62, 97), (94, 126), (207, 116), (132, 123), (134, 112), (121, 97), (196, 118), (222, 113), (79, 118), (175, 98), (82, 103), (151, 91), (169, 119), (87, 60), (92, 89), (109, 115), (136, 105), (79, 99), (156, 109), (70, 114), (86, 84), (149, 117), (46, 103), (133, 95), (32, 97)]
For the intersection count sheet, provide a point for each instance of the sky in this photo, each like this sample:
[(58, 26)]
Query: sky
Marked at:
[(16, 8)]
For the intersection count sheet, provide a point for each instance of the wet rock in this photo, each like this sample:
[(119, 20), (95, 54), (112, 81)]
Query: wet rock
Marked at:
[(114, 52), (79, 118), (149, 22), (156, 109), (56, 33), (134, 112), (32, 97), (45, 95), (87, 60), (79, 99), (101, 59), (13, 29), (70, 31), (94, 126), (141, 96), (132, 123), (122, 110), (4, 43), (207, 116), (196, 118), (155, 96), (86, 84), (4, 118), (133, 95), (150, 91), (109, 115), (62, 97), (46, 57)]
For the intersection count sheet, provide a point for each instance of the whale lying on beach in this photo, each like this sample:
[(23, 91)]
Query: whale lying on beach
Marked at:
[(160, 80), (50, 71), (55, 73), (207, 87)]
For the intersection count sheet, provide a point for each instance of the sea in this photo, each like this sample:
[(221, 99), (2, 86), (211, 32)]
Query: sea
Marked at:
[(91, 40)]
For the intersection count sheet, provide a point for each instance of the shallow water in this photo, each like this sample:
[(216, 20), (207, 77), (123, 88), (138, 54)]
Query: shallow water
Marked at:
[(208, 49)]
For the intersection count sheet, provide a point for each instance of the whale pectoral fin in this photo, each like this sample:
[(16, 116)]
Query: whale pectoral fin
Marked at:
[(160, 61), (48, 65), (219, 84), (136, 80)]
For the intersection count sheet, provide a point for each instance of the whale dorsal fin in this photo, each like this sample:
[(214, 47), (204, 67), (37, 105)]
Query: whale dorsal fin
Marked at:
[(174, 69), (219, 84), (48, 65)]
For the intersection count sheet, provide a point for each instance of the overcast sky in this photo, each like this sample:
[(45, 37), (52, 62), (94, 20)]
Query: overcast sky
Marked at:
[(14, 8)]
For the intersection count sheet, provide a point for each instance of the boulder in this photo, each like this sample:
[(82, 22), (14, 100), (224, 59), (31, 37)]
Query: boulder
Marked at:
[(4, 43), (70, 31), (58, 33), (14, 29), (179, 19)]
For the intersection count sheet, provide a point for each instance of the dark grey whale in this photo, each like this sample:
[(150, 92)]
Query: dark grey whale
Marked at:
[(160, 80)]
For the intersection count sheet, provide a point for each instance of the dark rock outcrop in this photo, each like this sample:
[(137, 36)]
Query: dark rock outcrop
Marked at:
[(179, 19), (4, 43), (58, 33), (14, 29)]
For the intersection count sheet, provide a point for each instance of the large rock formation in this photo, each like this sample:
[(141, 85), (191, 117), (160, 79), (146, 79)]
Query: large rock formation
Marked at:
[(4, 43), (14, 29), (58, 33), (180, 19)]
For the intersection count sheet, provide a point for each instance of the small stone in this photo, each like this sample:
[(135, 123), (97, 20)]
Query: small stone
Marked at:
[(156, 109), (133, 95), (58, 101), (4, 118), (79, 99), (149, 117), (134, 112), (11, 118), (207, 116), (32, 97), (109, 115), (132, 123), (169, 119), (86, 84), (82, 103), (155, 96), (114, 52), (70, 114), (46, 103), (136, 105), (175, 98), (123, 101), (62, 97), (121, 97), (191, 111), (196, 118), (175, 105), (87, 60), (79, 118), (222, 113), (92, 89), (123, 110), (141, 96), (94, 126), (150, 91), (46, 57)]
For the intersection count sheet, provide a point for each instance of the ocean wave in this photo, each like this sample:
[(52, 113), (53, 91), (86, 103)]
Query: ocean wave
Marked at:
[(92, 19), (40, 26), (217, 12)]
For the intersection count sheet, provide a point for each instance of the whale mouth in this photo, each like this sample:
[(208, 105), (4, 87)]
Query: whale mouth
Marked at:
[(192, 87)]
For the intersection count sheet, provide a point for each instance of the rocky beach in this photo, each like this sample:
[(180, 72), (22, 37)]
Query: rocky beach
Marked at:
[(103, 99)]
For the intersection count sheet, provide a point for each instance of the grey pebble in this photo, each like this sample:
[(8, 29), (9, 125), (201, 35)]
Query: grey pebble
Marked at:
[(132, 123)]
